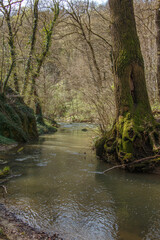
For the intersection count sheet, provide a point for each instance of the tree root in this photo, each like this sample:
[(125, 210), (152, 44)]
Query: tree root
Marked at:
[(155, 143), (131, 163)]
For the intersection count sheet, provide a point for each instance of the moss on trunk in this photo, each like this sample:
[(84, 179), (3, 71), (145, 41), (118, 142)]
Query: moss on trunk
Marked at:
[(131, 138), (135, 133)]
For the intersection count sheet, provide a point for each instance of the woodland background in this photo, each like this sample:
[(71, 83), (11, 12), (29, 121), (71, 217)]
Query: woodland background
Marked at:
[(58, 57)]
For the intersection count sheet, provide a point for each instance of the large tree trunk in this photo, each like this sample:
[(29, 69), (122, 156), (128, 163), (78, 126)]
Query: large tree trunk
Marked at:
[(135, 132), (158, 46)]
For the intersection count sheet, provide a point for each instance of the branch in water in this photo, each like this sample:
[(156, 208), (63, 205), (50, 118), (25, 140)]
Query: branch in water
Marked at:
[(128, 164)]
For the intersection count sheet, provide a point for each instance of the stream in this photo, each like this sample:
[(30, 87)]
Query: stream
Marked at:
[(60, 188)]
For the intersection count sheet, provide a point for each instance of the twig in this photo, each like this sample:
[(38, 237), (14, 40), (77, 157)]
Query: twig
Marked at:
[(128, 164), (117, 166)]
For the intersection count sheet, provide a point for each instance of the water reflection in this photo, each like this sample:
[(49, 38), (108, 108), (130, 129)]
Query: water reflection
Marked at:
[(62, 190), (137, 203)]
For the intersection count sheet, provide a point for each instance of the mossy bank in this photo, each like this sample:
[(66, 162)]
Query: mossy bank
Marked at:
[(131, 139), (49, 126), (17, 120)]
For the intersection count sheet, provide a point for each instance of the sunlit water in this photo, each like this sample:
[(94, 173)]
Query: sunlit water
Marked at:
[(62, 189)]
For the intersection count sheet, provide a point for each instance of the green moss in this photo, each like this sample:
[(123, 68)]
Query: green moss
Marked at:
[(127, 156), (129, 140), (17, 120), (126, 57), (110, 145), (11, 114), (127, 131), (45, 128), (127, 146), (99, 145), (4, 172), (129, 51)]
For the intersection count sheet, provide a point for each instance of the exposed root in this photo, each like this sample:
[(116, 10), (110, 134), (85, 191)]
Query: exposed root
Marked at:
[(132, 163), (155, 140), (131, 139)]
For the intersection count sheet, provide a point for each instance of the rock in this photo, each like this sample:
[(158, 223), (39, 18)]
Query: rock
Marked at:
[(84, 129)]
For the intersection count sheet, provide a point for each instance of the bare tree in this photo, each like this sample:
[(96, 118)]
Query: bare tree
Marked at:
[(7, 11)]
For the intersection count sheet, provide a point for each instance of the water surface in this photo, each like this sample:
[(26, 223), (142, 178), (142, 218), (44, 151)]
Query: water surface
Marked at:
[(62, 189)]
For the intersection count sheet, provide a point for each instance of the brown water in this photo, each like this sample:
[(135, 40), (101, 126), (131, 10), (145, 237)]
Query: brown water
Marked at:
[(62, 190)]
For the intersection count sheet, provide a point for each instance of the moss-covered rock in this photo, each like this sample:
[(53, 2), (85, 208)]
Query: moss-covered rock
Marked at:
[(47, 127), (17, 120), (130, 139), (5, 172)]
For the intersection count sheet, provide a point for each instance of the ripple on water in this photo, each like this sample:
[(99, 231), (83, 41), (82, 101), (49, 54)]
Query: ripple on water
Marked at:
[(63, 191)]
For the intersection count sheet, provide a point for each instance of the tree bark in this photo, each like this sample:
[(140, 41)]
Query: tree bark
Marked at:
[(38, 108), (135, 134), (32, 47), (158, 46), (130, 85), (11, 44)]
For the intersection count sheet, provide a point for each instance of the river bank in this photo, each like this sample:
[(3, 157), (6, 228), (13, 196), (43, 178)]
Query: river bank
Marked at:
[(5, 148), (86, 204), (12, 228)]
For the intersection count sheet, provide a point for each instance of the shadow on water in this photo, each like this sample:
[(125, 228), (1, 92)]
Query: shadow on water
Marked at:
[(136, 203), (61, 189)]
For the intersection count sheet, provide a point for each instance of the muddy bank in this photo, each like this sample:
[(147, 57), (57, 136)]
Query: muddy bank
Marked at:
[(5, 148), (12, 228)]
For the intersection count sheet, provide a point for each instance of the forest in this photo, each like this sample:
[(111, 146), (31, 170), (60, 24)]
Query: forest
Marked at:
[(80, 66)]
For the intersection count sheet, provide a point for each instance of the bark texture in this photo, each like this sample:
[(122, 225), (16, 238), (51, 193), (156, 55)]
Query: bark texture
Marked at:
[(135, 133), (158, 46)]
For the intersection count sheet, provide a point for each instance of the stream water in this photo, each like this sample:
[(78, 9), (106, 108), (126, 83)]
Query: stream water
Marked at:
[(61, 189)]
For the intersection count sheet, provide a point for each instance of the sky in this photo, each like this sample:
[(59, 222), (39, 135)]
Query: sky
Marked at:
[(98, 1)]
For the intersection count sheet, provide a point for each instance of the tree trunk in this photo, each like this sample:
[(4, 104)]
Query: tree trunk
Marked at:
[(135, 133), (158, 46), (32, 47), (38, 108)]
